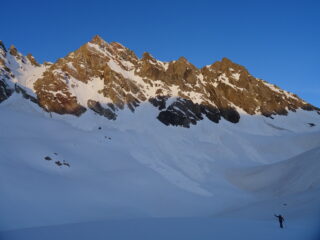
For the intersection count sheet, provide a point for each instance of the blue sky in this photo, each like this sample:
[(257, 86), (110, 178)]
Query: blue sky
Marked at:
[(278, 41)]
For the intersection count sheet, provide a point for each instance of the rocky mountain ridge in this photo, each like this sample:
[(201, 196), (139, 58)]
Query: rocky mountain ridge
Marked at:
[(108, 77)]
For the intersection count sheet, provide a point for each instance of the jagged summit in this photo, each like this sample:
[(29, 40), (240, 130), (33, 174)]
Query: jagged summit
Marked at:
[(97, 40), (13, 50), (108, 77), (147, 56), (2, 46), (32, 60)]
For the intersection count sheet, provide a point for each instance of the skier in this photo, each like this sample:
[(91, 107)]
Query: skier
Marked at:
[(281, 219)]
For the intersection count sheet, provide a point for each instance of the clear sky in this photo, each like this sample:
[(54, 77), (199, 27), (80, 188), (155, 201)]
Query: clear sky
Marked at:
[(278, 41)]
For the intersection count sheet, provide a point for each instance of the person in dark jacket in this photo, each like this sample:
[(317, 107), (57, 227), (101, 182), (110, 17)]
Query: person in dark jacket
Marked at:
[(280, 219)]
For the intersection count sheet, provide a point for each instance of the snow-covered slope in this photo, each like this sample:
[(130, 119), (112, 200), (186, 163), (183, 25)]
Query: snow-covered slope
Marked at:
[(292, 175), (146, 169)]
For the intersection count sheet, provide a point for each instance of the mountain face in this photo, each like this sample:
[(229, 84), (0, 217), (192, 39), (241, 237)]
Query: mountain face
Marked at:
[(104, 151), (108, 77)]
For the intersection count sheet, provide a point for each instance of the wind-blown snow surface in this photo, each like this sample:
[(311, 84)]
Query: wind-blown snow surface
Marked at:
[(137, 175)]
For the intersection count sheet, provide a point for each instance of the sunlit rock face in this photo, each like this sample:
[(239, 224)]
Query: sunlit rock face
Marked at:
[(107, 78)]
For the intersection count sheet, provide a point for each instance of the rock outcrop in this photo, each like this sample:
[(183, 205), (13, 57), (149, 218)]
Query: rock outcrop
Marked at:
[(5, 75), (108, 77)]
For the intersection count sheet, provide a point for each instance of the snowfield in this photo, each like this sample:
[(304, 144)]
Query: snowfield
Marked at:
[(67, 177)]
